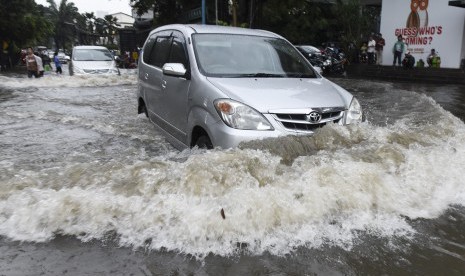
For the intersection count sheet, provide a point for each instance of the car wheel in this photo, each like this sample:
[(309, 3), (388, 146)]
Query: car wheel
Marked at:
[(142, 108), (203, 142)]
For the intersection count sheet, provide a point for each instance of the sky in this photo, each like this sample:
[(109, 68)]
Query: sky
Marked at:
[(97, 6)]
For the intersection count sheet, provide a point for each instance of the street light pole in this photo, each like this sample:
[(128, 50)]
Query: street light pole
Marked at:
[(203, 13)]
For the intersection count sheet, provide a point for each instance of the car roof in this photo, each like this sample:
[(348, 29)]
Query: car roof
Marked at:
[(89, 47), (214, 29), (308, 47)]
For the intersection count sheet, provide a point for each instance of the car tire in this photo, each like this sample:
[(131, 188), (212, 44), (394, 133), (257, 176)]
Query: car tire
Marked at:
[(142, 108), (204, 142)]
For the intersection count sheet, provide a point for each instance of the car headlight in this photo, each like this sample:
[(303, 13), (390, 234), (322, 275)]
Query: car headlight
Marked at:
[(241, 116), (354, 114), (78, 70), (114, 71)]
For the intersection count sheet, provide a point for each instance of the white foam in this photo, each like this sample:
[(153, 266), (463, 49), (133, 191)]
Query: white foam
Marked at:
[(53, 80), (358, 179)]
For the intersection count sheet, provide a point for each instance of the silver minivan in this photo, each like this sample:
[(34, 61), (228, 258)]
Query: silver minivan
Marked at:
[(214, 86)]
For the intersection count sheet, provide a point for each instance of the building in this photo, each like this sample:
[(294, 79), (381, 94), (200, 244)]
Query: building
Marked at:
[(124, 20)]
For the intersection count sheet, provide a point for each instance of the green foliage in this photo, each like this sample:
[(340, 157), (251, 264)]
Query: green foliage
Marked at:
[(165, 11), (301, 22), (356, 22), (23, 22), (63, 17), (111, 24)]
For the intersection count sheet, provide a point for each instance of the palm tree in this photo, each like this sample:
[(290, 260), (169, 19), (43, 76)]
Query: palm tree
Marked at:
[(64, 17), (111, 23), (90, 25), (100, 29)]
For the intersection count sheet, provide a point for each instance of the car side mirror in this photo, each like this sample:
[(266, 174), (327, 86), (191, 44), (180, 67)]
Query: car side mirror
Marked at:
[(174, 69)]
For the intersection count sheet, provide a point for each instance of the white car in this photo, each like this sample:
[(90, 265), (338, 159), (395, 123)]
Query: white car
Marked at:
[(64, 58), (92, 60)]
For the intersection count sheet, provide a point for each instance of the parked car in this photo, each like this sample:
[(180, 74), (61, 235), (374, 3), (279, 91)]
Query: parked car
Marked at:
[(213, 86), (92, 60), (63, 57), (39, 49)]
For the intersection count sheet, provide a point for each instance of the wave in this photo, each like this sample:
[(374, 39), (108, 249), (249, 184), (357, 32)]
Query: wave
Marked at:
[(271, 195), (127, 77)]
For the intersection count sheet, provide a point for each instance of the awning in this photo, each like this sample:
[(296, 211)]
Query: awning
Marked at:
[(457, 3)]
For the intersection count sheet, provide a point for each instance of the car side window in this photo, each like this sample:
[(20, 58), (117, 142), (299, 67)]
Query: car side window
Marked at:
[(178, 54), (160, 52), (148, 48)]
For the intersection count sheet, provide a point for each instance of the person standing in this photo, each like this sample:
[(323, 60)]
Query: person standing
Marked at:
[(57, 62), (33, 64), (363, 53), (135, 56), (398, 49), (371, 50), (380, 42)]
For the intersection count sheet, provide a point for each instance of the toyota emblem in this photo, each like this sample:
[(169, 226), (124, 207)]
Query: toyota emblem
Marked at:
[(313, 117)]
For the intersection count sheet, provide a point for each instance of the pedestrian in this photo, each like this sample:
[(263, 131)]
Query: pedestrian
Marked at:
[(397, 50), (371, 50), (363, 53), (380, 42), (33, 64), (409, 61), (135, 56), (57, 63), (433, 59), (41, 67)]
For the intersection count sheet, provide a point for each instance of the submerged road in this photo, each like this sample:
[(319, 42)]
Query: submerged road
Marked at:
[(88, 187)]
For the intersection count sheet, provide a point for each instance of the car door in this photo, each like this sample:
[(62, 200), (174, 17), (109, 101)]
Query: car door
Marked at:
[(151, 76), (175, 90)]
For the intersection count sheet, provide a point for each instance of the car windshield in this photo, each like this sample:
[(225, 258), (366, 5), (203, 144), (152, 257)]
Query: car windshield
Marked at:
[(227, 55), (92, 55)]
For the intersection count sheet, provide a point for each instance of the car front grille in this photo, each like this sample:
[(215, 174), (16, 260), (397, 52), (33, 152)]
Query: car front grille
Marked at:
[(96, 71), (300, 122)]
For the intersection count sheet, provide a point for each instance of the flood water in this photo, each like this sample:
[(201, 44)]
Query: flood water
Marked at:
[(88, 187)]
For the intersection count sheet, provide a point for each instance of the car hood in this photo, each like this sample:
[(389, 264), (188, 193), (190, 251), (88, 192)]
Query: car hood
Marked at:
[(266, 94), (94, 64)]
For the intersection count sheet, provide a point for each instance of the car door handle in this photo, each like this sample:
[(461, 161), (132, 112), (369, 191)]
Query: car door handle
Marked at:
[(163, 84), (146, 76)]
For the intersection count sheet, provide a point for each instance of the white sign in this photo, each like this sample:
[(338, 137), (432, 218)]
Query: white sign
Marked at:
[(424, 25)]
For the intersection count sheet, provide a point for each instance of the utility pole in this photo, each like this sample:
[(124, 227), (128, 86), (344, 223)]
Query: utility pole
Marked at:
[(203, 13), (216, 12), (234, 12)]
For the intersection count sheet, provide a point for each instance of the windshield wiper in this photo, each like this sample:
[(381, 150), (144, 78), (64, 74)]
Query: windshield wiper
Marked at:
[(259, 75), (301, 75)]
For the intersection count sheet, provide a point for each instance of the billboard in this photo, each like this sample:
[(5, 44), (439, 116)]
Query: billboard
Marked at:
[(424, 25)]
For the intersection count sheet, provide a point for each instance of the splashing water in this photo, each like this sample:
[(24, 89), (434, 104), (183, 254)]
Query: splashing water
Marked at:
[(113, 173)]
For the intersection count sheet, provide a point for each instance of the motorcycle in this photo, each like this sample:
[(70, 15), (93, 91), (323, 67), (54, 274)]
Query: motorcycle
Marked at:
[(335, 61)]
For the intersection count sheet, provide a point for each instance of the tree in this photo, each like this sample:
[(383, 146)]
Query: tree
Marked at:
[(111, 24), (91, 27), (164, 11), (64, 17), (100, 28), (354, 21), (298, 21), (23, 22)]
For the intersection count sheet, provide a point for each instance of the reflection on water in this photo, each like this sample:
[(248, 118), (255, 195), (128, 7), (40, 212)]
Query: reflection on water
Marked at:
[(77, 160)]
